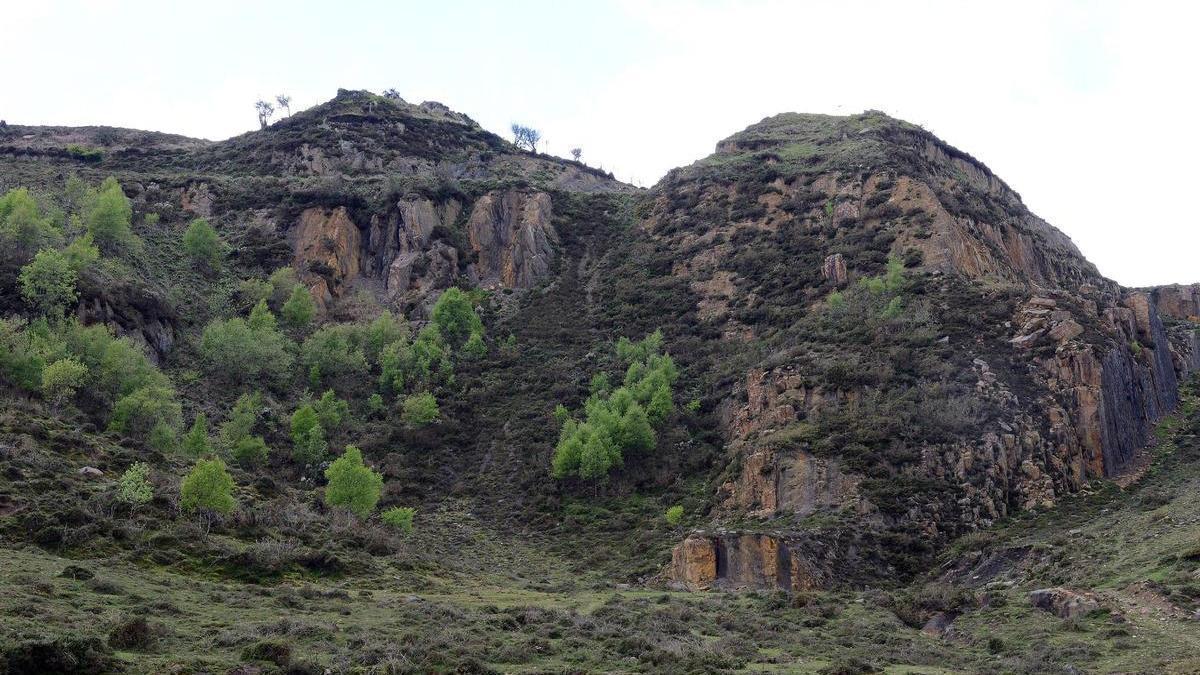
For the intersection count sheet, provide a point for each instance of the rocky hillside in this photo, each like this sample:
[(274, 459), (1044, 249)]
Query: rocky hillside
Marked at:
[(868, 350)]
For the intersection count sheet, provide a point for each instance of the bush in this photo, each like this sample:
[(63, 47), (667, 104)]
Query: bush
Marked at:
[(23, 228), (455, 317), (148, 409), (331, 410), (109, 217), (308, 437), (48, 283), (61, 379), (300, 309), (250, 451), (208, 487), (352, 484), (419, 410), (241, 421), (240, 353), (195, 441), (674, 515), (134, 488), (400, 517), (203, 244), (335, 352)]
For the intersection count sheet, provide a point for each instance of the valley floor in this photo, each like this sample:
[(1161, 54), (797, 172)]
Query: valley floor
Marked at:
[(511, 605)]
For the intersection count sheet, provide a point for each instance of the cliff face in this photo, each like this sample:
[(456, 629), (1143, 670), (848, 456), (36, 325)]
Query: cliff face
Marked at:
[(1067, 375)]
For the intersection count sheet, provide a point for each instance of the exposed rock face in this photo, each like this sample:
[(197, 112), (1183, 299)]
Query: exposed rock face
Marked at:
[(1178, 302), (513, 238), (328, 248), (746, 560), (834, 269), (131, 311), (1064, 603)]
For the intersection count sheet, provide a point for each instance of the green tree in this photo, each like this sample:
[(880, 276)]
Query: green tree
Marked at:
[(208, 487), (195, 442), (241, 421), (109, 216), (145, 411), (261, 319), (81, 253), (336, 352), (300, 309), (48, 282), (455, 317), (203, 244), (331, 410), (308, 437), (674, 515), (236, 351), (384, 330), (134, 486), (419, 410), (352, 484), (61, 379), (23, 228), (400, 517), (475, 347), (250, 451), (283, 283)]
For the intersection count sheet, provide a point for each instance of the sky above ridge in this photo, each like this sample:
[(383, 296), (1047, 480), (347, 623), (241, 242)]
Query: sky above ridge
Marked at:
[(1088, 109)]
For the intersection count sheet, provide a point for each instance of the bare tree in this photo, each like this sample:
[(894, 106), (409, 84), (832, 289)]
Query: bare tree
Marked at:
[(526, 137), (576, 153), (285, 102), (265, 110)]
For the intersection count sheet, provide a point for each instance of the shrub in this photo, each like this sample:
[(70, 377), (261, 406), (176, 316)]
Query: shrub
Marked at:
[(331, 410), (109, 216), (195, 441), (300, 309), (374, 405), (250, 451), (253, 291), (381, 332), (208, 487), (149, 409), (351, 484), (674, 515), (308, 437), (203, 244), (23, 228), (283, 282), (475, 347), (241, 421), (419, 410), (134, 487), (335, 352), (400, 517), (48, 282), (61, 379), (238, 352), (455, 317)]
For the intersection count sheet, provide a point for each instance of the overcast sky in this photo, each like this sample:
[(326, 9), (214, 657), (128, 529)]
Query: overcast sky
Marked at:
[(1088, 109)]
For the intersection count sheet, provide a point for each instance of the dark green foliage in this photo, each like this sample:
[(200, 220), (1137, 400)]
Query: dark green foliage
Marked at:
[(247, 352), (352, 484), (336, 353), (24, 229), (146, 411), (454, 315), (331, 411)]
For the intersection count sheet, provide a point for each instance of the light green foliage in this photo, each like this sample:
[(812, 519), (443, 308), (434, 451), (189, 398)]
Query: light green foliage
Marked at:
[(836, 300), (600, 385), (300, 309), (352, 484), (419, 410), (308, 437), (208, 487), (674, 515), (203, 244), (400, 517), (109, 216), (619, 422), (261, 319), (454, 315), (163, 437), (383, 331), (331, 410), (134, 486), (61, 379), (81, 253), (253, 291), (238, 351), (195, 441), (23, 227), (561, 414), (336, 352), (283, 283), (406, 367), (250, 451), (693, 406), (48, 282), (152, 408), (242, 419)]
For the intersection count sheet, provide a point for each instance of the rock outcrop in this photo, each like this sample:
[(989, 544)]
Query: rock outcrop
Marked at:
[(512, 238), (743, 560), (328, 249), (1064, 602)]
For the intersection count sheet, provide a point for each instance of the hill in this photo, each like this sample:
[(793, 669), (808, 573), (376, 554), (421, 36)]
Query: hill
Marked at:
[(836, 374)]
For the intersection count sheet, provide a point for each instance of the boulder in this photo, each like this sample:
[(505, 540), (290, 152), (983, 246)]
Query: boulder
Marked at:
[(90, 472), (1063, 602), (1061, 332)]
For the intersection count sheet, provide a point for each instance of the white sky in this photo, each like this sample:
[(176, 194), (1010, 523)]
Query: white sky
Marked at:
[(1088, 109)]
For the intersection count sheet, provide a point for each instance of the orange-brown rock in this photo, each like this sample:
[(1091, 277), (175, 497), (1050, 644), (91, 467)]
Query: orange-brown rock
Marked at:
[(694, 562), (834, 269), (744, 560), (328, 248)]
